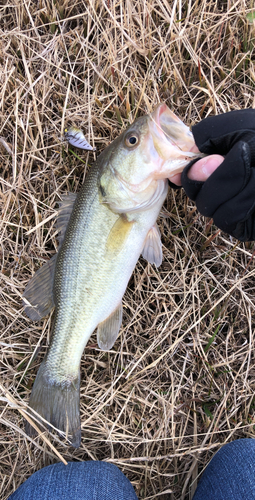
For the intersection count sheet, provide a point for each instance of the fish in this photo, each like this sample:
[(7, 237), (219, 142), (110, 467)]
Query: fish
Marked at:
[(75, 137), (102, 232)]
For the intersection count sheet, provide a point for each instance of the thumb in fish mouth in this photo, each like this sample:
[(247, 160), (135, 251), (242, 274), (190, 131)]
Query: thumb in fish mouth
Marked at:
[(201, 170)]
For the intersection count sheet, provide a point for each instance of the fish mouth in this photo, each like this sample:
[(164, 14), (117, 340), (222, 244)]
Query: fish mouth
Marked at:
[(172, 140), (170, 132)]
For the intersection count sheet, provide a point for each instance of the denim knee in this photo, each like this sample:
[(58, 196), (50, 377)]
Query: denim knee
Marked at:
[(231, 473), (77, 481)]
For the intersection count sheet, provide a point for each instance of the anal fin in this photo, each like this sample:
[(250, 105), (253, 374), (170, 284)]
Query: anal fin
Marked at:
[(152, 250), (38, 295), (107, 331)]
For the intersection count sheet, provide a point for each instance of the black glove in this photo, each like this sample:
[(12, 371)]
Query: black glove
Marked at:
[(228, 195)]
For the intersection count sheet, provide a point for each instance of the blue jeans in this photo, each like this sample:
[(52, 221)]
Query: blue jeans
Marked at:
[(231, 473), (229, 476)]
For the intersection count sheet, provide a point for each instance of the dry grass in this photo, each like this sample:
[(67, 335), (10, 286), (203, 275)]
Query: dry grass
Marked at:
[(179, 381)]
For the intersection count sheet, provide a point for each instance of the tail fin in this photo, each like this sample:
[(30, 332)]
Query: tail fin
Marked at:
[(58, 403)]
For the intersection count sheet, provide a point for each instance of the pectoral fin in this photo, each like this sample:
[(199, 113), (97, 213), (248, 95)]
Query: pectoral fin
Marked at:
[(107, 331), (152, 250), (118, 235), (38, 295)]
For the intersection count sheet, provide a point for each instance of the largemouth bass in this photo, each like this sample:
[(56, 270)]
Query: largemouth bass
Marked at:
[(102, 232)]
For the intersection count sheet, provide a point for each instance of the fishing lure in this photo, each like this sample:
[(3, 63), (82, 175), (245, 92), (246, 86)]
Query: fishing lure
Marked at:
[(76, 138)]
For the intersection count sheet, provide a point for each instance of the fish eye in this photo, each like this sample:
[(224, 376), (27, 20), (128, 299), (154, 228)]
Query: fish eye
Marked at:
[(131, 140)]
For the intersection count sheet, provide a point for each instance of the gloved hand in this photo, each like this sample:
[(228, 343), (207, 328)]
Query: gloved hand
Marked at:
[(228, 195)]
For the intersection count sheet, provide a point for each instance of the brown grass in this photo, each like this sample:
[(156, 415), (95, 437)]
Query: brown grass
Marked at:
[(179, 381)]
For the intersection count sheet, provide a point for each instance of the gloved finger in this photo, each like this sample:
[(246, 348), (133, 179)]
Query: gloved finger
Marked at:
[(224, 183), (236, 216), (218, 134)]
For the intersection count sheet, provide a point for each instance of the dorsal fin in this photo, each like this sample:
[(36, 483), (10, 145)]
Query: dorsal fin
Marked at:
[(64, 212), (38, 295)]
